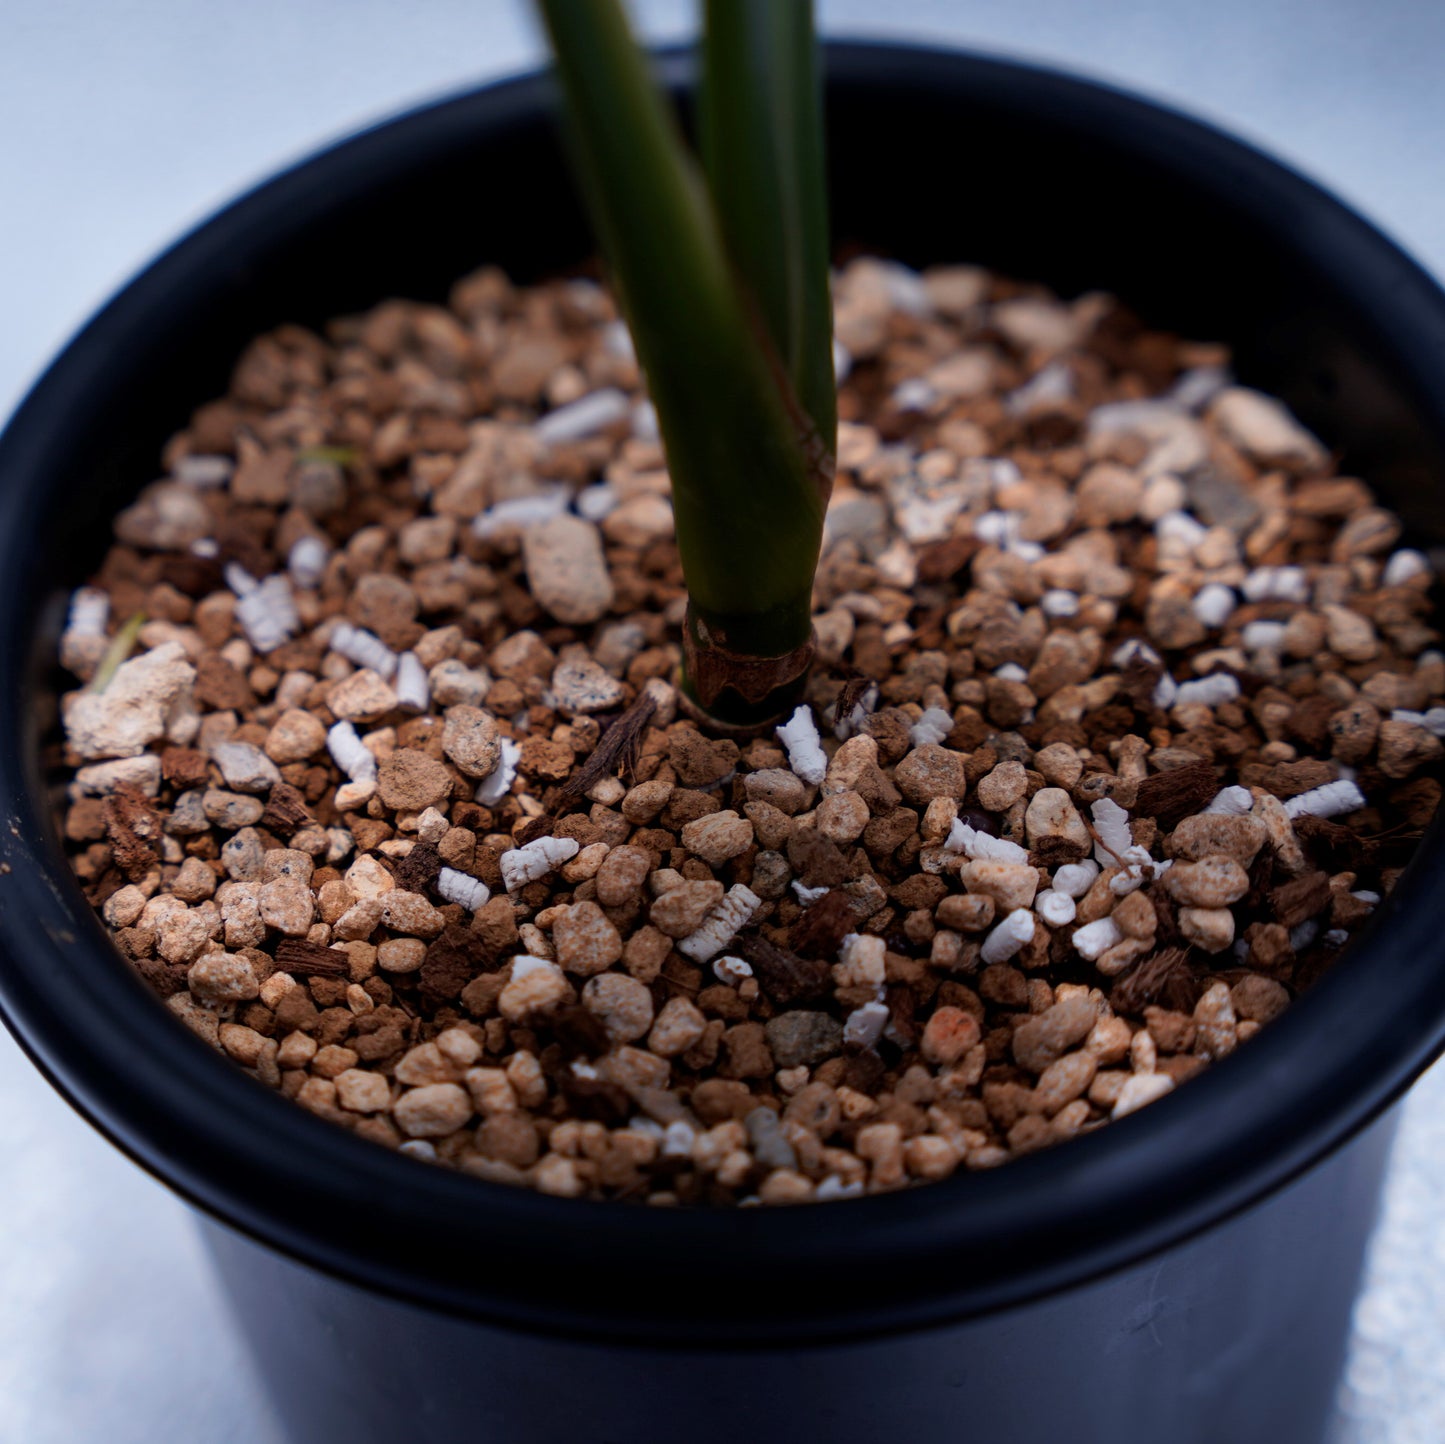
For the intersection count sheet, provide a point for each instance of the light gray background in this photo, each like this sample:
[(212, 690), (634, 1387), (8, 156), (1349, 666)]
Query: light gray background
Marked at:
[(124, 121)]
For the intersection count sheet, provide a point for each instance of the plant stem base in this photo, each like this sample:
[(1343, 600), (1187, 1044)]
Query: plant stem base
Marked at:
[(738, 690)]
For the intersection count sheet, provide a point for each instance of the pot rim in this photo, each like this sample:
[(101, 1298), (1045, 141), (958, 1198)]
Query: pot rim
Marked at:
[(975, 1243)]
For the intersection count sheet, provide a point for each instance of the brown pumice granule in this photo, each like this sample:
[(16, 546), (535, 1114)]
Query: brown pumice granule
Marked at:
[(1126, 715)]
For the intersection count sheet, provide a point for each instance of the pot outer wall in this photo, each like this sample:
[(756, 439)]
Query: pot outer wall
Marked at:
[(1234, 1334), (1236, 1337)]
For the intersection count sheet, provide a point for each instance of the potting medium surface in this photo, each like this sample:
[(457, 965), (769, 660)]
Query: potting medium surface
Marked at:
[(1391, 1310)]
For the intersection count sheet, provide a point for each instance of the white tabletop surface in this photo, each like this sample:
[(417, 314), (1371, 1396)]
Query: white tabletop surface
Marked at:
[(124, 121)]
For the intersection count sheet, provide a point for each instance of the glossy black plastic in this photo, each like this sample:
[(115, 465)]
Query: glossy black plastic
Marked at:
[(935, 157)]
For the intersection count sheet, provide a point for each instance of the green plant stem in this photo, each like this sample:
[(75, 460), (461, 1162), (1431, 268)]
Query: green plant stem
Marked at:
[(750, 470), (761, 123)]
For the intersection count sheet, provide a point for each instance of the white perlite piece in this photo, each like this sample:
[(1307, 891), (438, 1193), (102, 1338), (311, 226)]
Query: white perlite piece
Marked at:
[(1096, 938), (1052, 384), (83, 642), (89, 612), (1181, 528), (1111, 824), (980, 847), (807, 896), (1331, 800), (498, 782), (1010, 672), (644, 422), (462, 888), (1166, 688), (1432, 721), (1059, 603), (1008, 937), (517, 513), (799, 734), (350, 753), (1403, 565), (679, 1139), (364, 648), (1074, 879), (997, 528), (1055, 908), (932, 727), (721, 925), (731, 970), (266, 610), (1134, 649), (203, 472), (1138, 868), (306, 561), (527, 864), (865, 1025), (412, 687), (914, 394), (1211, 691), (596, 503), (1197, 387), (1303, 934), (1213, 604), (1263, 636), (833, 1188), (1232, 802), (1277, 584), (582, 418), (845, 727)]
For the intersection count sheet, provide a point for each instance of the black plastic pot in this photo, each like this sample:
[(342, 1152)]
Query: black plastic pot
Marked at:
[(1185, 1273)]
